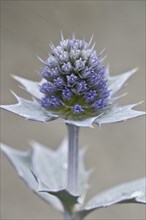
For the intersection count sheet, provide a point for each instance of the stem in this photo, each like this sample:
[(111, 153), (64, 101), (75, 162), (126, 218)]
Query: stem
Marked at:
[(67, 216), (70, 217), (73, 158)]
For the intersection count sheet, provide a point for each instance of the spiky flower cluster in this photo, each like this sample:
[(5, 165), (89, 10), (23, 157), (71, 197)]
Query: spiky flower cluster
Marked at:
[(76, 85)]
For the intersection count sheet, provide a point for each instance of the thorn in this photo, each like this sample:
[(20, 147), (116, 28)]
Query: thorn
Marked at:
[(14, 94), (15, 77), (62, 37), (40, 59), (102, 59), (51, 45), (139, 103), (135, 69), (92, 48), (102, 51), (90, 41)]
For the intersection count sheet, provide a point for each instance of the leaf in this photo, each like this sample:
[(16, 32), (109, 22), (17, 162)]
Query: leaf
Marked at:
[(117, 82), (83, 123), (22, 161), (30, 110), (30, 86), (51, 167), (45, 172), (117, 114), (68, 200), (131, 192)]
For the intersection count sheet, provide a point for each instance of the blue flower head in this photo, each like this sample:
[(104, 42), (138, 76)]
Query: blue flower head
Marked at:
[(75, 84)]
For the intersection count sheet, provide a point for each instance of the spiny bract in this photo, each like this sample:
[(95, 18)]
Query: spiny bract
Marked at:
[(75, 84)]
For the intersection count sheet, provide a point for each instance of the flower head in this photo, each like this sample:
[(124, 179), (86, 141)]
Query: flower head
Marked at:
[(75, 86), (76, 82)]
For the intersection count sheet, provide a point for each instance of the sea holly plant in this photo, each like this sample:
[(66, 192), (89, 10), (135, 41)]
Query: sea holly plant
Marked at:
[(76, 87)]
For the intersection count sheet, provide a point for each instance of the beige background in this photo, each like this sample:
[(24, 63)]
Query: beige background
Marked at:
[(117, 152)]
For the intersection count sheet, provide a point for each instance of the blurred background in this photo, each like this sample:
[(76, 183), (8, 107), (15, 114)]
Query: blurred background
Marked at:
[(116, 151)]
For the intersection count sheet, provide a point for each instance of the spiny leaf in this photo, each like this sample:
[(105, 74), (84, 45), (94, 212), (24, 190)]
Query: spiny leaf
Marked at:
[(131, 192), (22, 161), (45, 172), (51, 167), (30, 86), (29, 109), (117, 82), (118, 113)]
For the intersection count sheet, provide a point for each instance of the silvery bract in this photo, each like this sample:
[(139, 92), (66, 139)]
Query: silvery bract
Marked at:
[(75, 86), (44, 171)]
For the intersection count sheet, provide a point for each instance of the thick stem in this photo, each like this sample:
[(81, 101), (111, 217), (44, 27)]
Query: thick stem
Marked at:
[(73, 158)]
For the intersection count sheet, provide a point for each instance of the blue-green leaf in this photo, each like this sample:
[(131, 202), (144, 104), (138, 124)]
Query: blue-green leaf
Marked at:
[(30, 86), (131, 192), (51, 167), (117, 82), (30, 110), (22, 161), (117, 114), (45, 172)]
